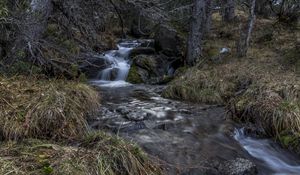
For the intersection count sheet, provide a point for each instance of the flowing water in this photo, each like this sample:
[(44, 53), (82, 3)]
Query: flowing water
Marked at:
[(118, 65), (188, 138), (276, 159)]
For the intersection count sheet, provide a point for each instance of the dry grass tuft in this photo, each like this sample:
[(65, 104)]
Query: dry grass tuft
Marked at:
[(52, 109), (99, 154)]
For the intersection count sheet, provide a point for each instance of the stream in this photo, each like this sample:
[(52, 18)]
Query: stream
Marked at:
[(187, 138)]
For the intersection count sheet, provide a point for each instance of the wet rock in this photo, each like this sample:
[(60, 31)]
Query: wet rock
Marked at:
[(114, 73), (92, 65), (239, 166), (185, 111), (141, 95), (147, 43), (150, 69), (165, 126), (123, 110), (133, 126), (136, 116), (141, 51), (109, 74)]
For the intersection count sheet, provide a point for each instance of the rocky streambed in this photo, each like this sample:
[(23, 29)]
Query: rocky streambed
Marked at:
[(185, 138)]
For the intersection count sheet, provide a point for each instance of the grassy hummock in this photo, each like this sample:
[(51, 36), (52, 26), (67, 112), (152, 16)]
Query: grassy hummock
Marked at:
[(97, 153), (45, 109)]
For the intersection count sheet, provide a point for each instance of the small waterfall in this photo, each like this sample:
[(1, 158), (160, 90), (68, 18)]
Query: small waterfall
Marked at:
[(117, 71), (274, 158)]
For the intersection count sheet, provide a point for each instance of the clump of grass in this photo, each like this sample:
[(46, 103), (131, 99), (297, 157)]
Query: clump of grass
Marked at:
[(98, 153), (8, 167), (208, 84), (52, 109), (253, 91), (272, 104)]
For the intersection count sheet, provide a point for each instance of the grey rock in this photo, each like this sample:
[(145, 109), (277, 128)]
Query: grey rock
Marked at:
[(92, 65), (239, 166), (169, 41), (141, 51), (137, 116), (123, 110), (147, 43), (150, 69)]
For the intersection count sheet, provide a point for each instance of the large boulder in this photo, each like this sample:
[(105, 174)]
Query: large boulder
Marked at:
[(169, 41), (150, 69), (92, 65)]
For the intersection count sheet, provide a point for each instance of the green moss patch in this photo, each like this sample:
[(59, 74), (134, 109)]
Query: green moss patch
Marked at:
[(134, 76)]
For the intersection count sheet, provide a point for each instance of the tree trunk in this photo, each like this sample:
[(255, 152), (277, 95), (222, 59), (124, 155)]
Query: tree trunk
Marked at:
[(209, 11), (228, 10), (243, 43), (198, 26)]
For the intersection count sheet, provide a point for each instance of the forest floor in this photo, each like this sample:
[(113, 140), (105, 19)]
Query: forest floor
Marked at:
[(261, 89)]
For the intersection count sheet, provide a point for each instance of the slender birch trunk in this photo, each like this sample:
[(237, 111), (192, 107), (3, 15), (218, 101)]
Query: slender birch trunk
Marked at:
[(246, 31)]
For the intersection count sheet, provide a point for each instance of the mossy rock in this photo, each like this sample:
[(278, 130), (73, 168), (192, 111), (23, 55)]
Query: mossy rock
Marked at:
[(144, 68), (146, 62), (290, 140), (134, 76)]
